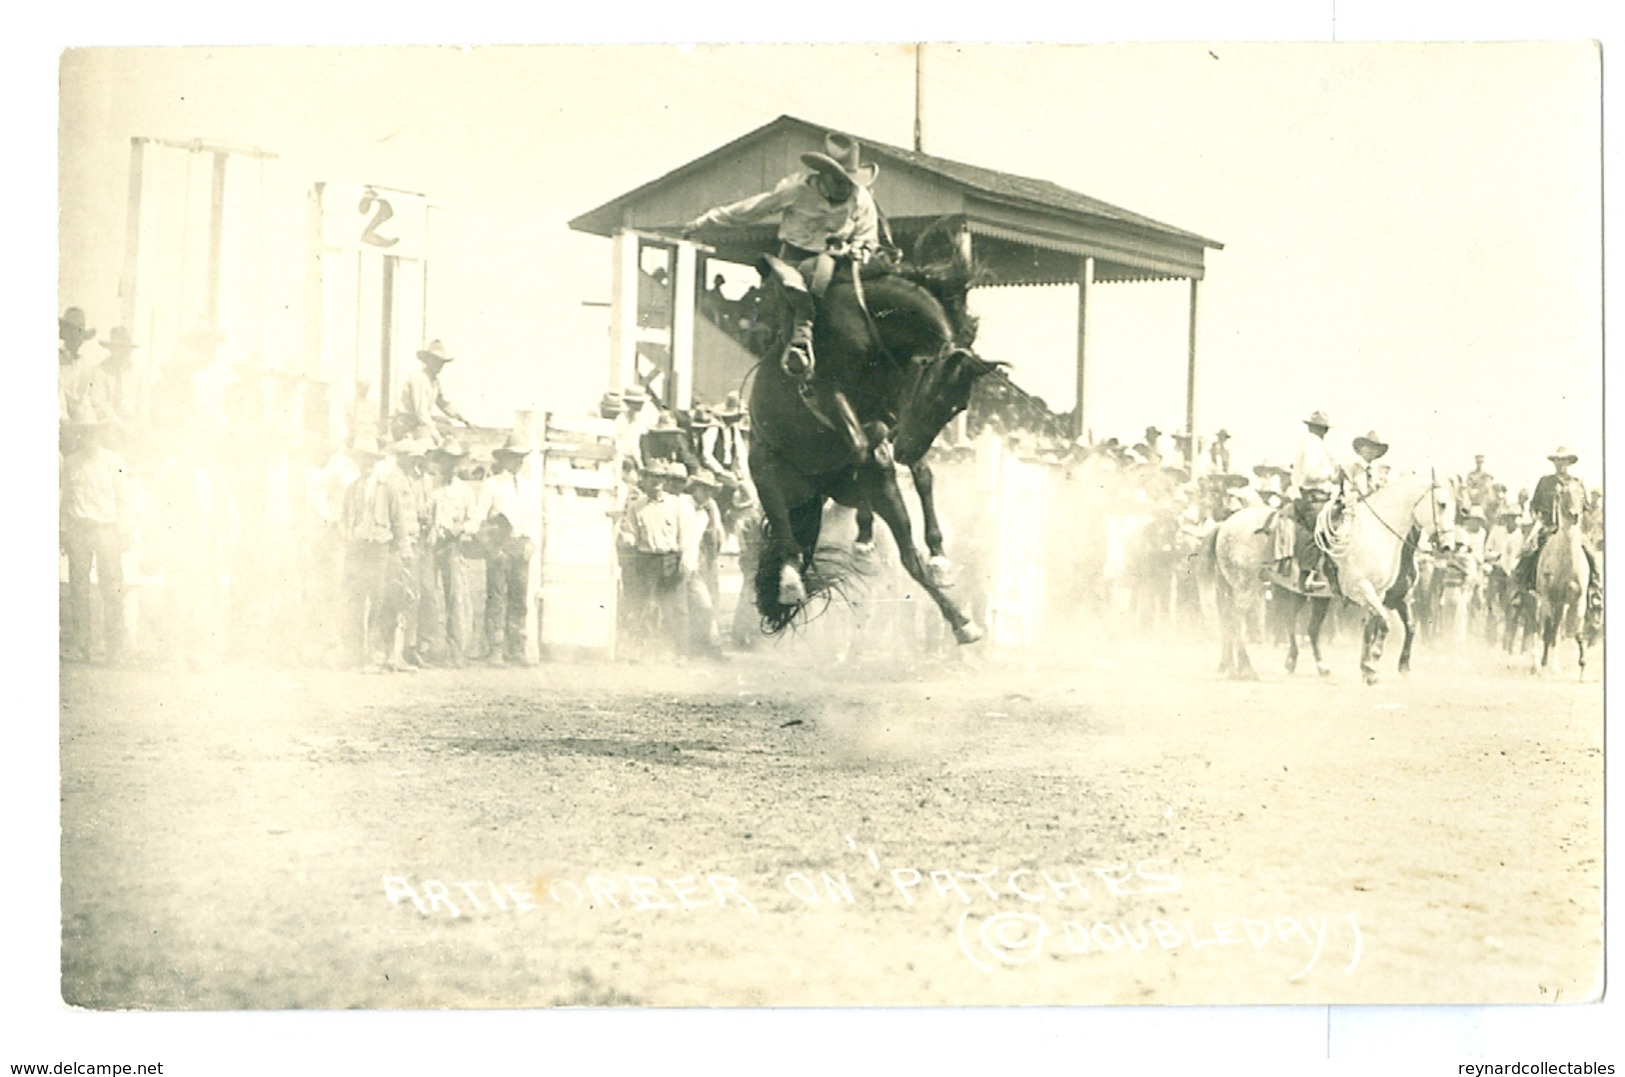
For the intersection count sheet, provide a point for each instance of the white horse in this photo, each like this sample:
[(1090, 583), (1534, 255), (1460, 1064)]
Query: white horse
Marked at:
[(1373, 546)]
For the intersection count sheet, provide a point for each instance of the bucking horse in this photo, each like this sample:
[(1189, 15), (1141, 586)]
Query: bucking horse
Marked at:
[(896, 345)]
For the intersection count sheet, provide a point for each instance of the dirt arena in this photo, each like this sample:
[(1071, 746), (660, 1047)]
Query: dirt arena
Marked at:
[(797, 826)]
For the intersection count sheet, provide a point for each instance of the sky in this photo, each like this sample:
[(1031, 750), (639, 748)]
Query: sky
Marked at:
[(1411, 232)]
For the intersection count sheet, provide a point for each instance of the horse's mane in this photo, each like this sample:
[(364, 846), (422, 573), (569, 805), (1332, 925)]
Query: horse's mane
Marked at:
[(938, 265)]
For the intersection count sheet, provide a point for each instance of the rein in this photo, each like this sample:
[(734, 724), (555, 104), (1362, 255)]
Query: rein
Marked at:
[(1326, 539)]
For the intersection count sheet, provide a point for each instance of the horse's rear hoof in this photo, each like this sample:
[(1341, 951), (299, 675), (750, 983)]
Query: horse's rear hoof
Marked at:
[(1324, 670), (968, 632), (1292, 663), (942, 571), (1370, 678), (863, 550)]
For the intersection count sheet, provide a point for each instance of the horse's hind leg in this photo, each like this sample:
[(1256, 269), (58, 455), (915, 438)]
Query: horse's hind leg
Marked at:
[(1229, 621), (1318, 608), (1403, 608)]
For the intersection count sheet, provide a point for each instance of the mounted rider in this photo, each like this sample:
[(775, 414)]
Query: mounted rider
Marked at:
[(1315, 477), (828, 214), (1546, 506)]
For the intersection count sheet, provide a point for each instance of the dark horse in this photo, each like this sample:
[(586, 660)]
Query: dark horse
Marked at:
[(906, 368)]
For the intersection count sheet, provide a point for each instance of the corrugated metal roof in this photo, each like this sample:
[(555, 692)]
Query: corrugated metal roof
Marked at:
[(987, 182)]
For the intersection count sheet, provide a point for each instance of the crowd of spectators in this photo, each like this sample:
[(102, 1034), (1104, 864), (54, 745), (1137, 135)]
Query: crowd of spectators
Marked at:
[(217, 512)]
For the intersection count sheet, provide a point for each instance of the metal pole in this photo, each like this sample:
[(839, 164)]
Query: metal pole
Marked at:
[(217, 227), (1086, 278), (919, 96), (1190, 372)]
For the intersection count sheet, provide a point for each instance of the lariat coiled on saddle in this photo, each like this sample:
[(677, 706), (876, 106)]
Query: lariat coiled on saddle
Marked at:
[(1334, 530)]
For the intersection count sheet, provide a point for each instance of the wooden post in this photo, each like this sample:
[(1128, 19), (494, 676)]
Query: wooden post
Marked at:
[(1086, 278), (132, 239), (684, 295), (217, 227), (623, 310), (1190, 372)]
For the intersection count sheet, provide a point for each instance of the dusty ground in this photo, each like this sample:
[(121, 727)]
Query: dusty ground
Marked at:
[(1123, 827)]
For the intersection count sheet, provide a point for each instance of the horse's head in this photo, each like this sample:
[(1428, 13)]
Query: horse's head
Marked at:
[(1571, 502), (1436, 509), (941, 390)]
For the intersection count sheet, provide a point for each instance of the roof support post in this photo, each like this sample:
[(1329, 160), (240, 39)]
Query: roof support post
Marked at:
[(1190, 371), (1086, 280), (623, 310), (683, 299)]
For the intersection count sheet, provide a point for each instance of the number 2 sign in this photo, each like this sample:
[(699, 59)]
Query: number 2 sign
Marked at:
[(369, 218), (370, 234)]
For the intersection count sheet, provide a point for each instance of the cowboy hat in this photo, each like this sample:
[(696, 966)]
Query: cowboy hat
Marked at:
[(634, 394), (409, 447), (703, 477), (841, 157), (1563, 455), (611, 401), (434, 350), (1222, 435), (730, 408), (1152, 432), (1372, 438), (74, 318), (118, 340), (451, 447), (513, 446), (1318, 418), (702, 416), (1266, 469), (1474, 516)]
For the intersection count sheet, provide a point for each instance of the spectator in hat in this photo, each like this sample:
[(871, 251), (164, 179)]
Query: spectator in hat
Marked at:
[(743, 516), (1219, 452), (640, 417), (1479, 484), (703, 544), (668, 441), (421, 394), (424, 625), (96, 519), (114, 390), (178, 394), (663, 525), (73, 369), (454, 535), (380, 529), (512, 534), (723, 446)]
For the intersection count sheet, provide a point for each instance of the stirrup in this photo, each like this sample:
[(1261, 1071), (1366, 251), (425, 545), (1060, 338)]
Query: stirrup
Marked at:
[(803, 350)]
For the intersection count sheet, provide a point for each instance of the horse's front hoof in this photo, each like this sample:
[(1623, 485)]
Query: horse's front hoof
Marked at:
[(1292, 663), (1370, 678), (1404, 667), (1323, 669), (969, 632), (792, 592)]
